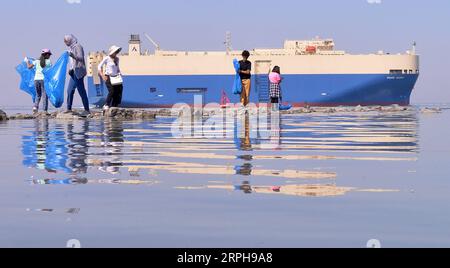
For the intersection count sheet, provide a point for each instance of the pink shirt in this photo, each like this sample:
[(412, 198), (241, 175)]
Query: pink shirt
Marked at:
[(275, 78)]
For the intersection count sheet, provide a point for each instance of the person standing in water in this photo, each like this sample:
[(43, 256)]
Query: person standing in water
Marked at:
[(40, 64), (77, 72), (245, 73), (275, 88), (109, 71)]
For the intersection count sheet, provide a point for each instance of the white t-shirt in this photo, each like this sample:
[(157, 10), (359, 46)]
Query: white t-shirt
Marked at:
[(39, 76), (112, 69)]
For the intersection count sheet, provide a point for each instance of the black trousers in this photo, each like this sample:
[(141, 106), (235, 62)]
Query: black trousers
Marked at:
[(114, 98)]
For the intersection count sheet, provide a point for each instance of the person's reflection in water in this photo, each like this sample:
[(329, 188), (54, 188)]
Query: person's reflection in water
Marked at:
[(78, 147), (245, 187), (275, 130), (243, 140), (244, 170), (244, 143), (113, 139), (46, 149), (69, 181)]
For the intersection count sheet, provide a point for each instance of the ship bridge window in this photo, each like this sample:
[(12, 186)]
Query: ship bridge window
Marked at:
[(192, 90), (396, 71)]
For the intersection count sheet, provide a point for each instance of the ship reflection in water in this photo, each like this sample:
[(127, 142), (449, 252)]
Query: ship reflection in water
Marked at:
[(304, 190), (301, 157)]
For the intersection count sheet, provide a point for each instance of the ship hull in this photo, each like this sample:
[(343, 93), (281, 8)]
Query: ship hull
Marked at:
[(151, 91)]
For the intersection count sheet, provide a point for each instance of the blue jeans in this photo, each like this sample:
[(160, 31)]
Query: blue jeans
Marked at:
[(76, 83), (40, 93)]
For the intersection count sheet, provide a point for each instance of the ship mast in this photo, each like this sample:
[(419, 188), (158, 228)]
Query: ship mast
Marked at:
[(228, 44)]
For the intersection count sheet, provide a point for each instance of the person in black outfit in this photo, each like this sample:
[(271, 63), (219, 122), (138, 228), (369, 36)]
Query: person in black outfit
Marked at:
[(245, 73)]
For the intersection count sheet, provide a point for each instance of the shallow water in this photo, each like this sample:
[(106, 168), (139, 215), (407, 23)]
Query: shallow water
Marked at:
[(336, 180)]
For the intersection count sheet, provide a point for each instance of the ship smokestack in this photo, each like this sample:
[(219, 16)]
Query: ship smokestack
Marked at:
[(134, 45)]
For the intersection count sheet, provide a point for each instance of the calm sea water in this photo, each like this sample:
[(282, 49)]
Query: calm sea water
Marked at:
[(335, 180)]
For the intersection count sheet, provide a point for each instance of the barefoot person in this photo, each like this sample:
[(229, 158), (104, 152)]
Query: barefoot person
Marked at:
[(109, 71), (40, 64), (77, 72), (245, 73)]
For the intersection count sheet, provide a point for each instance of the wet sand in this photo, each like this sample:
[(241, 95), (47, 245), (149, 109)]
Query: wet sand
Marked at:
[(329, 178)]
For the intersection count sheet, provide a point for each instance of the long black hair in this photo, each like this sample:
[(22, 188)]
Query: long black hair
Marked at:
[(276, 69), (42, 60)]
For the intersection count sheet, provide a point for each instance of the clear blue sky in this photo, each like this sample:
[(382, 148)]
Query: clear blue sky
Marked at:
[(356, 25)]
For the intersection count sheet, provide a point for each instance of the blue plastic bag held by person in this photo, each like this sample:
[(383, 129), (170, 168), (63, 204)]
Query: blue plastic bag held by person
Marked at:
[(27, 78), (237, 87), (55, 80)]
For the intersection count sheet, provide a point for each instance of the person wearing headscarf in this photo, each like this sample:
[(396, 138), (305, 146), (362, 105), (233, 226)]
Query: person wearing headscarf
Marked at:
[(77, 72)]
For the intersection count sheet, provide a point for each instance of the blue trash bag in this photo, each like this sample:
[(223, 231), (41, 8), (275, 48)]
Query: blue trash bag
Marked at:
[(27, 78), (285, 106), (55, 80), (237, 86)]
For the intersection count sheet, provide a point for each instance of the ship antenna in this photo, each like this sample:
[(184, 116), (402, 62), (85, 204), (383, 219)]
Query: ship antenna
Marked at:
[(414, 48), (152, 41), (228, 44)]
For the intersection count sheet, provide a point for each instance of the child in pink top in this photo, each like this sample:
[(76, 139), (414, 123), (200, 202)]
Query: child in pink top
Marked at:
[(275, 81), (275, 78)]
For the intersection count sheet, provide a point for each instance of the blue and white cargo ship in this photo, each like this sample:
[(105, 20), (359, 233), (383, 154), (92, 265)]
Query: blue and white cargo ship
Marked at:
[(315, 74)]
